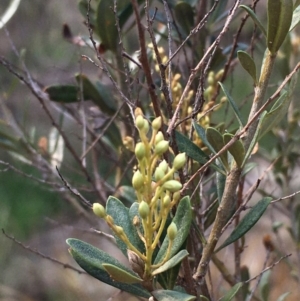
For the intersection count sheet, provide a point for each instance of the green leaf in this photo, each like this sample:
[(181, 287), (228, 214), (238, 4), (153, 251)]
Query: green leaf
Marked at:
[(280, 14), (184, 14), (105, 25), (245, 276), (167, 295), (283, 296), (182, 219), (118, 274), (280, 108), (233, 105), (91, 260), (248, 167), (121, 217), (237, 149), (254, 18), (255, 137), (63, 93), (215, 139), (264, 285), (99, 94), (249, 220), (171, 262), (248, 64), (191, 149), (296, 18), (232, 292), (202, 135)]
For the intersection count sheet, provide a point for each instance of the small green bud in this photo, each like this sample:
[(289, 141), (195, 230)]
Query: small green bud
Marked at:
[(164, 166), (161, 147), (172, 231), (140, 151), (172, 185), (119, 230), (144, 209), (156, 123), (145, 129), (99, 210), (137, 180), (139, 122), (176, 196), (159, 137), (159, 174), (179, 161), (166, 201), (219, 75)]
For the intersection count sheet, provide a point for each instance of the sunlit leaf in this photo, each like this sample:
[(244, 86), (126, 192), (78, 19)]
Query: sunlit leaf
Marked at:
[(280, 14), (9, 12), (121, 217), (171, 262), (182, 219), (283, 296), (118, 274), (91, 260), (248, 221), (167, 295), (248, 64)]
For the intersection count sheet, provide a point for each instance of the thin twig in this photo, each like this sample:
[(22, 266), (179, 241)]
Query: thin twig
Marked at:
[(65, 265)]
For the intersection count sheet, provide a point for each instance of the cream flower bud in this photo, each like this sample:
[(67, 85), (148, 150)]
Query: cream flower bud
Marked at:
[(140, 150), (137, 180), (129, 143), (143, 209), (161, 147), (159, 137), (139, 122), (166, 201), (172, 231), (172, 185), (179, 161), (164, 166), (99, 210), (156, 123), (158, 174), (145, 128)]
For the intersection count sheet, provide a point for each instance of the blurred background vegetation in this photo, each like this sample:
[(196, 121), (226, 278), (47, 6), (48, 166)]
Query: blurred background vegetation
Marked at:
[(40, 217)]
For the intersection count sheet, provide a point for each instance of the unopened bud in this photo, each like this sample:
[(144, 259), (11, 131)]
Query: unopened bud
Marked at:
[(156, 123), (164, 166), (99, 210), (172, 231), (144, 210), (138, 111), (140, 151), (139, 122), (159, 137), (172, 185), (159, 174), (137, 180), (219, 75), (129, 143), (176, 196), (119, 230), (166, 201), (161, 147), (145, 128), (211, 78), (179, 161)]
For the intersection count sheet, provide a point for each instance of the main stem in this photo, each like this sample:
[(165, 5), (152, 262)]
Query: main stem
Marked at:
[(233, 178)]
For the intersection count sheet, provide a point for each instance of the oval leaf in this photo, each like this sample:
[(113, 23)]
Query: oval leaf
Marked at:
[(184, 14), (249, 220), (237, 149), (248, 64), (182, 219), (121, 217), (105, 25), (280, 14), (118, 274), (91, 260), (254, 18), (296, 18), (63, 93), (171, 262), (167, 295), (215, 139), (232, 292)]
